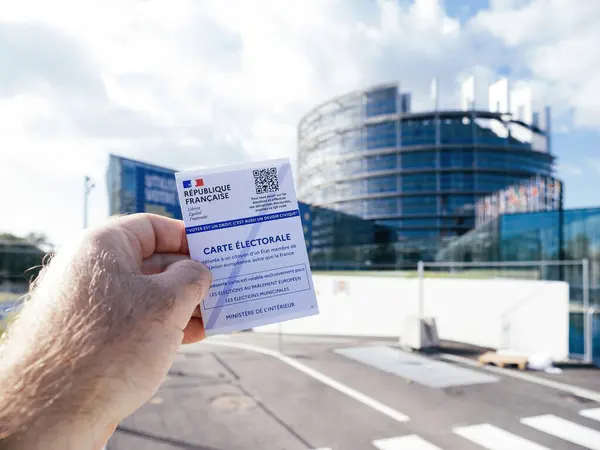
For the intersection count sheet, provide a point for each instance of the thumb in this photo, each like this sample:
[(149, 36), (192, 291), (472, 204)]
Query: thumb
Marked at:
[(189, 281)]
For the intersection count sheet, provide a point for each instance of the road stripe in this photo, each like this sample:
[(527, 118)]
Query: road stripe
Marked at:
[(410, 442), (591, 413), (340, 387), (564, 429), (580, 392), (494, 438)]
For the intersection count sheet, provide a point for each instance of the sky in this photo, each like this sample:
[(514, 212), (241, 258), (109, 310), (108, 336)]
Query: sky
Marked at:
[(198, 83)]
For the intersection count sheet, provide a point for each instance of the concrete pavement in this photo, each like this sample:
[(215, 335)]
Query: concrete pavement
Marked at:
[(238, 393)]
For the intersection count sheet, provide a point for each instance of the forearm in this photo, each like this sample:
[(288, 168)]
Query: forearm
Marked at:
[(99, 335), (47, 386), (42, 403), (68, 435)]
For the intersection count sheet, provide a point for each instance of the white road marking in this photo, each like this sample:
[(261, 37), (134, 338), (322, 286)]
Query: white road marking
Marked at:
[(564, 429), (494, 438), (591, 413), (575, 390), (410, 442), (346, 390), (323, 448)]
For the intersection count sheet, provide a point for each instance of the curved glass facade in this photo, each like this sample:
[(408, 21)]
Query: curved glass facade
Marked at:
[(418, 175)]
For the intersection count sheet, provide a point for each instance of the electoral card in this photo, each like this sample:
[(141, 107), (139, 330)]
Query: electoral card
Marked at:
[(243, 222)]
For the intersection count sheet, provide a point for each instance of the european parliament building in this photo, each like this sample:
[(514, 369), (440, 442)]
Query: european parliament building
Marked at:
[(389, 186)]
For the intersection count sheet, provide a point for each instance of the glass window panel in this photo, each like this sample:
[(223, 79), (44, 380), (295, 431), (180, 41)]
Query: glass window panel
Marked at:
[(420, 200), (354, 207), (381, 135), (456, 158), (392, 223), (382, 206), (381, 184), (529, 237), (419, 205), (420, 222), (417, 160), (418, 182), (495, 181), (461, 222), (456, 181), (348, 142), (456, 131), (352, 167), (382, 101), (452, 204), (417, 233), (375, 163), (418, 132), (493, 160), (381, 162)]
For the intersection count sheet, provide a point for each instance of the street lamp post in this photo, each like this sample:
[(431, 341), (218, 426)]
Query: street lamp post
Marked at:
[(88, 185)]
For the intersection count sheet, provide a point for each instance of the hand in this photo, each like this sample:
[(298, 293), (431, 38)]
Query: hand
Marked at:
[(99, 334)]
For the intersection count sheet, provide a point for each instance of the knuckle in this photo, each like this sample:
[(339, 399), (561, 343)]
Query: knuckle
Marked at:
[(197, 276)]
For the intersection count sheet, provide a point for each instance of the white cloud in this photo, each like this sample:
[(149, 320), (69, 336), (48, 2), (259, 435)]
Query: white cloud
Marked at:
[(194, 83), (557, 44)]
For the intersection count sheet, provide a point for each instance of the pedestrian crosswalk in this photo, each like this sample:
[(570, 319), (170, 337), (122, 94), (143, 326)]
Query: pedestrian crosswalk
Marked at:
[(411, 441), (494, 438), (565, 429), (591, 413), (491, 437)]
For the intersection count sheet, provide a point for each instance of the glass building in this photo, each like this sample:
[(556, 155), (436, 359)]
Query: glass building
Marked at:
[(135, 186), (570, 235), (414, 176)]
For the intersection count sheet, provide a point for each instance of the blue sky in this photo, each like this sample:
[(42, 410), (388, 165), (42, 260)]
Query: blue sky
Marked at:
[(577, 148), (189, 84), (464, 10), (578, 153)]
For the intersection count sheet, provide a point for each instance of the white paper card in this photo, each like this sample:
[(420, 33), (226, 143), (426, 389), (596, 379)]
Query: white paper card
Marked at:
[(243, 223)]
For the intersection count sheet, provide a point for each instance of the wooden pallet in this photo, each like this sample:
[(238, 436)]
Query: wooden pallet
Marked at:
[(503, 360)]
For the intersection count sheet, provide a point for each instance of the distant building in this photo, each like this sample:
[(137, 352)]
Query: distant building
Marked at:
[(415, 177), (135, 186)]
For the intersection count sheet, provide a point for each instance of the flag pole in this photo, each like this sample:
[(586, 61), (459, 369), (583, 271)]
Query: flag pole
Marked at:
[(88, 185)]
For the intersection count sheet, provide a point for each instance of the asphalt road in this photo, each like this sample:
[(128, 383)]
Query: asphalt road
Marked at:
[(224, 395)]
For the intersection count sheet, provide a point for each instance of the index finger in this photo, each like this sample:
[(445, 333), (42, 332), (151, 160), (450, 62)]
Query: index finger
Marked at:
[(156, 234)]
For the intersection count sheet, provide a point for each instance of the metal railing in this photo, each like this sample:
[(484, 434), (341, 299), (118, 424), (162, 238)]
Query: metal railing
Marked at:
[(575, 272)]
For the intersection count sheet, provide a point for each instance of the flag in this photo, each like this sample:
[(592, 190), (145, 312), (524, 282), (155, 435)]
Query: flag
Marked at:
[(198, 182)]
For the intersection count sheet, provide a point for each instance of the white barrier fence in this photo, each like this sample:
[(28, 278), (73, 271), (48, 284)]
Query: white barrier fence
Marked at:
[(522, 315)]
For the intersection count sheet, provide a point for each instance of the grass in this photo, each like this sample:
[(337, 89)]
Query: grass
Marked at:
[(8, 297)]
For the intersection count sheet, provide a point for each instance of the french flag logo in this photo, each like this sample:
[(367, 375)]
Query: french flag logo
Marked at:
[(198, 182)]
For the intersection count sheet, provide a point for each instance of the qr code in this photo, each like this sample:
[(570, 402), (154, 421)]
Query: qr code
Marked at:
[(265, 180)]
